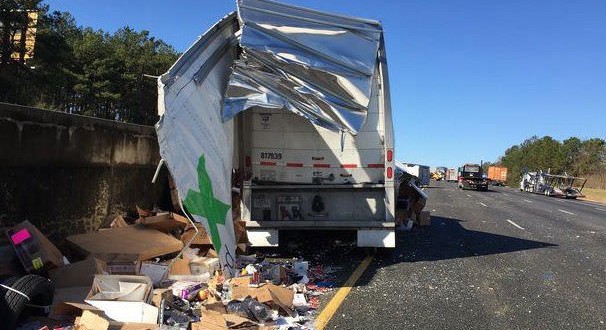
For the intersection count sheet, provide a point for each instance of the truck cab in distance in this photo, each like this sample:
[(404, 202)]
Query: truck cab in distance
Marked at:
[(471, 176)]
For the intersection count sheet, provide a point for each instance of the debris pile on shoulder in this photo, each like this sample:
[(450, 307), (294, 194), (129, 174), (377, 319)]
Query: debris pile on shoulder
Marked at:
[(136, 274)]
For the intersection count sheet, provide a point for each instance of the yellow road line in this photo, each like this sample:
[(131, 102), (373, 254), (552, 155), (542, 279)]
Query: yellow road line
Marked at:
[(336, 301)]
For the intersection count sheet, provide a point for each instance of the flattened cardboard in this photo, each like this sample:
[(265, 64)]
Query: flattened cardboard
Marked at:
[(238, 322), (216, 306), (166, 222), (143, 244), (210, 320)]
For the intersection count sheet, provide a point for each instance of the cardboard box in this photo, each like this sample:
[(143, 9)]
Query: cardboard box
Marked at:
[(425, 218), (140, 244), (72, 284), (180, 267), (123, 298), (94, 319), (161, 294), (77, 274), (202, 239), (35, 251), (278, 296), (204, 265)]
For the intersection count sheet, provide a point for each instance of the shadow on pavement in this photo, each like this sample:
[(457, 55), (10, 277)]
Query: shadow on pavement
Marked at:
[(447, 239)]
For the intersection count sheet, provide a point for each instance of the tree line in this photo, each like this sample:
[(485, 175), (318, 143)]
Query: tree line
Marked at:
[(573, 156), (80, 70)]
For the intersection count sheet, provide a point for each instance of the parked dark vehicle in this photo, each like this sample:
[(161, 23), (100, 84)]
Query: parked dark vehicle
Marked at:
[(471, 176)]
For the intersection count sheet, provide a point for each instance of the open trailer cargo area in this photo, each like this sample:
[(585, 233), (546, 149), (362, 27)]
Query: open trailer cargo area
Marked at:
[(295, 103)]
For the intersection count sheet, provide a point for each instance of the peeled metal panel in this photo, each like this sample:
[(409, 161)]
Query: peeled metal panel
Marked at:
[(194, 141), (317, 65)]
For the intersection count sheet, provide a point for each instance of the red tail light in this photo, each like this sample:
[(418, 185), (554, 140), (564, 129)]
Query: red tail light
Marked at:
[(389, 155), (389, 172)]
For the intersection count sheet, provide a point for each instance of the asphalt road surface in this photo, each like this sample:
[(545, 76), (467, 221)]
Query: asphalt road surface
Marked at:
[(501, 259)]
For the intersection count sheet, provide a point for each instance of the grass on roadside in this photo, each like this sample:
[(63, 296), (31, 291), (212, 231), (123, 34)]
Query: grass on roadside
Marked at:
[(597, 195)]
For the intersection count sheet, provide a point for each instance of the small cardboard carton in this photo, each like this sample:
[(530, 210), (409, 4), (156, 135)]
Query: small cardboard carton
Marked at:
[(124, 298), (202, 265), (35, 251)]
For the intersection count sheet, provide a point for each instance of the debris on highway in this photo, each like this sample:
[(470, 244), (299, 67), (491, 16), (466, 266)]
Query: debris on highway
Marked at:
[(153, 285)]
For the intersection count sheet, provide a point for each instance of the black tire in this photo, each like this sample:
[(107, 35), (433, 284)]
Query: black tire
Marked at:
[(37, 288), (9, 281)]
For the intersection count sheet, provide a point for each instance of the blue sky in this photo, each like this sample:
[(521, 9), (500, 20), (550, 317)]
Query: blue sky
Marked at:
[(468, 78)]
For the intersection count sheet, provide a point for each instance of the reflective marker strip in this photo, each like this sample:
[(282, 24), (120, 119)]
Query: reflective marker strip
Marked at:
[(318, 165), (376, 165)]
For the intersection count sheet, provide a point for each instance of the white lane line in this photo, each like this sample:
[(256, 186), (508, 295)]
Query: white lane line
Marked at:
[(504, 194), (527, 201), (482, 204), (514, 224), (468, 195), (566, 212), (599, 209)]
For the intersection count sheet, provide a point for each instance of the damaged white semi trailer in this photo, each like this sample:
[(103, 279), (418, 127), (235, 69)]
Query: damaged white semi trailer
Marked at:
[(302, 101)]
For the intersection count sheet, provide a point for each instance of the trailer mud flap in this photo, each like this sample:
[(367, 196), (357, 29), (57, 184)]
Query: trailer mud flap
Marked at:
[(376, 238)]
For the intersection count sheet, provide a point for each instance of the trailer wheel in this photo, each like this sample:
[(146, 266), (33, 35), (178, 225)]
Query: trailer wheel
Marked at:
[(37, 288)]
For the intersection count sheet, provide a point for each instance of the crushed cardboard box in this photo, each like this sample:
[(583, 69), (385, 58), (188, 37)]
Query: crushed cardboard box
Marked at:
[(202, 239), (124, 298), (72, 283)]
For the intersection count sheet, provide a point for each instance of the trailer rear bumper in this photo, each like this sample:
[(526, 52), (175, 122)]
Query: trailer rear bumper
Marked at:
[(369, 233)]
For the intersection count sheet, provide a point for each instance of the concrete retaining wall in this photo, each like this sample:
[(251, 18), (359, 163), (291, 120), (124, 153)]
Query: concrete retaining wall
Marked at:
[(68, 174)]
